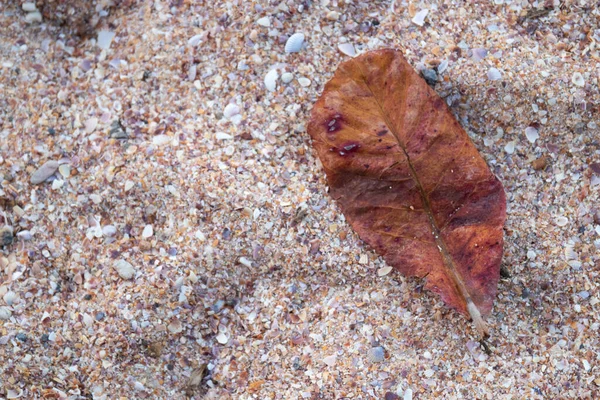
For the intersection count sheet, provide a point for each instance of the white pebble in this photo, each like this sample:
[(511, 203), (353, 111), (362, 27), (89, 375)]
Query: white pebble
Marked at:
[(24, 235), (419, 18), (294, 43), (35, 16), (175, 326), (139, 386), (510, 147), (578, 80), (148, 231), (5, 313), (246, 262), (231, 110), (532, 134), (287, 77), (330, 360), (29, 6), (64, 170), (223, 136), (264, 21), (493, 74), (408, 394), (531, 255), (105, 39), (271, 80), (347, 49), (561, 221), (304, 82), (124, 269)]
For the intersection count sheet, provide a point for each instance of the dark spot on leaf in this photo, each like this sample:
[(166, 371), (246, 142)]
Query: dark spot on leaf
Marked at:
[(382, 132)]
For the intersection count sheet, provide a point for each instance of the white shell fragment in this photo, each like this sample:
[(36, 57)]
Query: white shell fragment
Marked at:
[(223, 136), (532, 134), (304, 82), (35, 16), (494, 75), (347, 49), (419, 18), (195, 40), (105, 39), (578, 80), (561, 221), (29, 7), (44, 172), (148, 231), (222, 338), (510, 147), (264, 21), (287, 77), (294, 43), (384, 271), (230, 110), (271, 80)]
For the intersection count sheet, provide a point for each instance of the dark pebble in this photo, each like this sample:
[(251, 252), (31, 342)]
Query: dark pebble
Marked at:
[(100, 316), (430, 76), (44, 338), (87, 297), (6, 236), (51, 131), (22, 337), (391, 396)]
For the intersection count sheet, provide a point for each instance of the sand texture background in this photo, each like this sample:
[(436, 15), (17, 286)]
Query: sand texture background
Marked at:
[(173, 235)]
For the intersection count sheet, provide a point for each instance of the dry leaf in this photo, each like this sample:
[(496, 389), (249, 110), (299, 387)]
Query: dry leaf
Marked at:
[(410, 181)]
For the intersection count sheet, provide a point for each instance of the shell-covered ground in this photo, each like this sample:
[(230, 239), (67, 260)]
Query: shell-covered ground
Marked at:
[(169, 231)]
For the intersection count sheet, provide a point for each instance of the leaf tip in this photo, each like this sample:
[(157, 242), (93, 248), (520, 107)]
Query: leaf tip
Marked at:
[(478, 320)]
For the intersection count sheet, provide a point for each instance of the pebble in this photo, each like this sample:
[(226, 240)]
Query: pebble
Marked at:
[(419, 18), (532, 134), (294, 43), (304, 82), (287, 77), (44, 172), (148, 231), (6, 236), (430, 76), (139, 386), (578, 80), (22, 337), (493, 74), (195, 40), (109, 230), (333, 15), (160, 140), (531, 255), (584, 294), (124, 269), (271, 80), (408, 394), (376, 354), (5, 313), (100, 316), (117, 131), (347, 49)]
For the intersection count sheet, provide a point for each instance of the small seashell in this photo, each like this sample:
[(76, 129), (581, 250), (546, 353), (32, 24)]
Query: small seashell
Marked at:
[(510, 147), (419, 18), (91, 124), (294, 43), (479, 54), (10, 298), (271, 80), (347, 49), (287, 77), (376, 354), (124, 269), (561, 221), (532, 134), (148, 231), (330, 360), (264, 21), (222, 338), (5, 313)]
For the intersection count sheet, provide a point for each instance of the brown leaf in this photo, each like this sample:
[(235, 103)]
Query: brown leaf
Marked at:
[(410, 181)]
